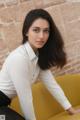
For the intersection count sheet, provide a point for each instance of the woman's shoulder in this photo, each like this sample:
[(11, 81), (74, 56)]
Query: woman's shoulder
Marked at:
[(17, 54), (19, 51)]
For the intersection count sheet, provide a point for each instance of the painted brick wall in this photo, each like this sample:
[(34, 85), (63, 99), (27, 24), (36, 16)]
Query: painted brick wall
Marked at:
[(66, 14)]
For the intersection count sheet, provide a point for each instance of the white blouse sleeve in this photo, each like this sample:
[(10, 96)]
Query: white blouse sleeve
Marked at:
[(19, 74), (54, 88)]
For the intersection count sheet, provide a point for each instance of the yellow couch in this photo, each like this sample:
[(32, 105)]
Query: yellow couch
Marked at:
[(46, 107)]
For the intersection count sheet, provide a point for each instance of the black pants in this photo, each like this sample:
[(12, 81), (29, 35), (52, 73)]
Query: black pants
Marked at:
[(7, 112)]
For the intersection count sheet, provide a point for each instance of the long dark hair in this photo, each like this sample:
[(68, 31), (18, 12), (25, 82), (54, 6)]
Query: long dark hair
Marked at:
[(52, 53)]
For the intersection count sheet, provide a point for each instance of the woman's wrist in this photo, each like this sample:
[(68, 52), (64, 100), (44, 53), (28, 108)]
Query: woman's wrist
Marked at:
[(71, 111)]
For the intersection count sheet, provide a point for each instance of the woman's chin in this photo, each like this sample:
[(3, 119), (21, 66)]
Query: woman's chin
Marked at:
[(39, 46)]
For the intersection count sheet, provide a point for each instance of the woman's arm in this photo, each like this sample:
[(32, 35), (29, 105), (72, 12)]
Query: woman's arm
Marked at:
[(19, 74)]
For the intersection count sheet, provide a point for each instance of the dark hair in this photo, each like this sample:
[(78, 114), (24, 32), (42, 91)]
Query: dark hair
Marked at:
[(52, 53)]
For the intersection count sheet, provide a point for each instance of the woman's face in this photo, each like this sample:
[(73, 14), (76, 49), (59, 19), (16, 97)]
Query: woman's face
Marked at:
[(38, 33)]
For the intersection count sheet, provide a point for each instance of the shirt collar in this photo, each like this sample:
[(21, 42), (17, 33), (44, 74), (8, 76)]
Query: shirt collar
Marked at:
[(30, 51)]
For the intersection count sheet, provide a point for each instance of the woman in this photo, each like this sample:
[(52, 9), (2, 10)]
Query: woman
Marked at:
[(42, 48)]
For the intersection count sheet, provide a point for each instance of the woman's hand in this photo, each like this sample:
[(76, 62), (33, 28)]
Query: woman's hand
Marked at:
[(72, 111)]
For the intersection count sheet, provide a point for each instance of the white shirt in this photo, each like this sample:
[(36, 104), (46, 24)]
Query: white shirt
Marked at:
[(20, 70)]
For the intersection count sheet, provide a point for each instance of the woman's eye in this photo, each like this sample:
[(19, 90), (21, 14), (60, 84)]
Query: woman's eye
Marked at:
[(46, 31), (36, 30)]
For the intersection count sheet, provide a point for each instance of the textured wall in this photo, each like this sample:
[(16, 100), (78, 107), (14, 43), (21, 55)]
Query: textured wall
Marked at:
[(66, 14)]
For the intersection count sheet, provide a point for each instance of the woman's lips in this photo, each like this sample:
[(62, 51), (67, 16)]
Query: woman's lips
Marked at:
[(40, 42)]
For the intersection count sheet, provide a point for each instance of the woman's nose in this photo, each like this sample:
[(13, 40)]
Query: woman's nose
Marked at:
[(41, 35)]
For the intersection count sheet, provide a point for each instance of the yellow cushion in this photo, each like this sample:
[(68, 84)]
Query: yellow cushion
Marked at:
[(71, 87)]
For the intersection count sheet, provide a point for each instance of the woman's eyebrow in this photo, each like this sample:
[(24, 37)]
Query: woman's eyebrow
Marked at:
[(41, 28)]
